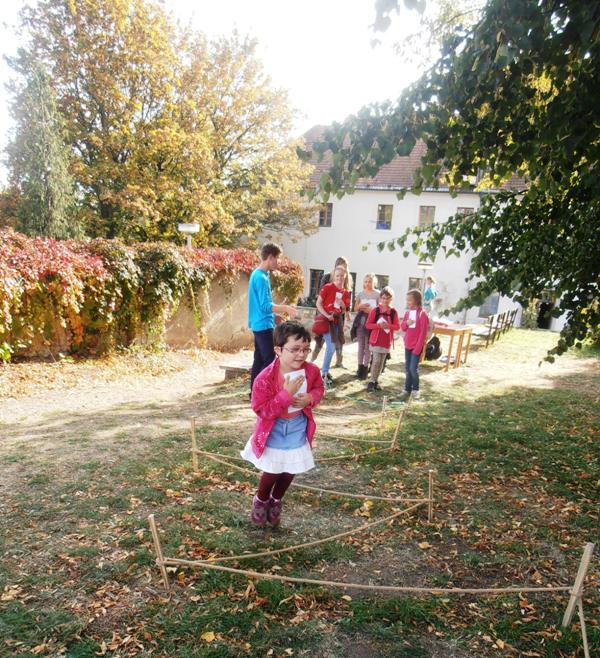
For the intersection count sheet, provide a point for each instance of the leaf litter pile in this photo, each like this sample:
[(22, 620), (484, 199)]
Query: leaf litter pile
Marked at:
[(515, 451)]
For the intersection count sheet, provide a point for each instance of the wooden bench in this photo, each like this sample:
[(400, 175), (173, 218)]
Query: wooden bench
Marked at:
[(233, 371), (496, 325)]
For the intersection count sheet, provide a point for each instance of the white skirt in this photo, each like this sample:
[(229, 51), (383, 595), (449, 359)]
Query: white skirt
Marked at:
[(298, 460)]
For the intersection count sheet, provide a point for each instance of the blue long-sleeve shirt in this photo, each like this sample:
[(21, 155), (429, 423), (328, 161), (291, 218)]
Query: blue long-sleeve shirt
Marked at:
[(260, 301)]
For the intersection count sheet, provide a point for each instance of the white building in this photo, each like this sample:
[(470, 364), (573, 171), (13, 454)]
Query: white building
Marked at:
[(374, 214)]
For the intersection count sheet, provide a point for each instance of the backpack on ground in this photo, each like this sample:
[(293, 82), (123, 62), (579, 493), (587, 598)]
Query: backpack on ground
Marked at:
[(433, 349)]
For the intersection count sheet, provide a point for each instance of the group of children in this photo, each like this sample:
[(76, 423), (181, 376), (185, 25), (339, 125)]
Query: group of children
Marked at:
[(285, 393), (376, 323)]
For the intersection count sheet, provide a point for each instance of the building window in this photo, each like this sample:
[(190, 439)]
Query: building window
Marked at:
[(325, 214), (426, 216), (490, 305), (314, 280), (415, 283), (461, 210), (384, 217), (383, 280)]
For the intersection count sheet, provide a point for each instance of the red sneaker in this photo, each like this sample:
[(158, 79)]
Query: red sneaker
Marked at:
[(260, 509)]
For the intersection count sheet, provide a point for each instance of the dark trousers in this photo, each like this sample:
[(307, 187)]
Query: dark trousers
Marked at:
[(263, 352), (412, 371)]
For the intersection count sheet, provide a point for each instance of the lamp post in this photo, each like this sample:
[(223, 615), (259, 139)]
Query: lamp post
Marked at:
[(425, 265), (188, 230)]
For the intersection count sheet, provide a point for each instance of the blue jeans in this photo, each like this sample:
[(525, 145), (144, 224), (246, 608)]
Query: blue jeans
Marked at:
[(329, 352), (264, 352), (411, 362)]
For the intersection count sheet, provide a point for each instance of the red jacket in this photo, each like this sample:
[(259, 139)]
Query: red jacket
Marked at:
[(327, 294), (270, 401), (378, 336), (416, 335)]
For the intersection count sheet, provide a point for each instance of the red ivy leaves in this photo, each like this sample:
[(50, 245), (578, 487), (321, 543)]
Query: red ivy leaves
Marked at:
[(42, 274)]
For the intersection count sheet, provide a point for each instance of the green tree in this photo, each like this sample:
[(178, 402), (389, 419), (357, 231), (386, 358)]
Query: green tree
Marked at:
[(256, 173), (9, 196), (39, 162), (166, 127), (112, 69), (516, 93)]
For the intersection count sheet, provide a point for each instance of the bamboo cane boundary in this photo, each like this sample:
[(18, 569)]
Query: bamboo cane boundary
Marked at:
[(316, 542), (575, 591), (222, 459)]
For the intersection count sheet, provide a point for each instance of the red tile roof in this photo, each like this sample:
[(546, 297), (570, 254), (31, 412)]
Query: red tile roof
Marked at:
[(395, 175)]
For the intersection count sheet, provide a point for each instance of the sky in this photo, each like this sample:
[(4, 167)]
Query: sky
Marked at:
[(319, 50)]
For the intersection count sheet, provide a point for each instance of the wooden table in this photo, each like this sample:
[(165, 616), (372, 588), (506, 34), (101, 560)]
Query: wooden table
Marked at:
[(454, 331)]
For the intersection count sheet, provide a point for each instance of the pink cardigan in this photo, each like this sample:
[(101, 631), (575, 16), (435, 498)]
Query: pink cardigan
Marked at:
[(415, 338), (269, 402)]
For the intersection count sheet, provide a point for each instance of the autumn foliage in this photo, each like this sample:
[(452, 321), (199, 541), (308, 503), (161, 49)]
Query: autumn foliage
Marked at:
[(97, 295), (162, 126)]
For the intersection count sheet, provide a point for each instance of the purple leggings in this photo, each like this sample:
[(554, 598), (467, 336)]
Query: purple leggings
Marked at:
[(273, 484)]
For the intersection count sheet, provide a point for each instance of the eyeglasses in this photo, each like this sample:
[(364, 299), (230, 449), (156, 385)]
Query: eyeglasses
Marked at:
[(298, 350)]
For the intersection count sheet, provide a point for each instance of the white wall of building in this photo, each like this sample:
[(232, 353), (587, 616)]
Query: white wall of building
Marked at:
[(354, 226)]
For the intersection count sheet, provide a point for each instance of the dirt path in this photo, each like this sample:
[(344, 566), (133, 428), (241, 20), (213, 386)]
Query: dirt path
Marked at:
[(72, 411), (57, 388), (69, 413)]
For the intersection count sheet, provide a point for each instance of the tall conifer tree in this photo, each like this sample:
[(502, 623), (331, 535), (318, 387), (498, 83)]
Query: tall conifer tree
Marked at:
[(39, 161)]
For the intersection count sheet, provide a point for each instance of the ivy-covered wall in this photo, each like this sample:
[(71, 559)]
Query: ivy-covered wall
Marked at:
[(91, 297)]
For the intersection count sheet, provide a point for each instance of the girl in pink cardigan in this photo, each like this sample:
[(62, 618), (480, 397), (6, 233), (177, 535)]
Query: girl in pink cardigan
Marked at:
[(283, 397), (415, 323)]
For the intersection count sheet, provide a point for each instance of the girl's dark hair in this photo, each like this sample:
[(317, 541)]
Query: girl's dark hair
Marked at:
[(416, 295), (290, 329)]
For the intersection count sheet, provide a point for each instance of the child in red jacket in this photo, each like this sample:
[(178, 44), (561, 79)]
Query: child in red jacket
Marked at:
[(333, 302), (382, 322), (415, 323)]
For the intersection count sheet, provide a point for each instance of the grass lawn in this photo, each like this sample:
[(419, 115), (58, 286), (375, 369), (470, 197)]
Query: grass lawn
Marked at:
[(515, 449)]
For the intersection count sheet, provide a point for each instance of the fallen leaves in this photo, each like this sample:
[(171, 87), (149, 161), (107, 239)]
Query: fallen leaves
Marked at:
[(11, 593)]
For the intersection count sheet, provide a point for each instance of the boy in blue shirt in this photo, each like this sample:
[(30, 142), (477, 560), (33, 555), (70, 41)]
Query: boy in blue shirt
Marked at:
[(261, 310)]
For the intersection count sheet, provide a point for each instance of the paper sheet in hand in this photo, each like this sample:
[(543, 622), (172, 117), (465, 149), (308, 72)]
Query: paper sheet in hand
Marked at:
[(412, 315), (371, 302), (381, 321), (303, 389)]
